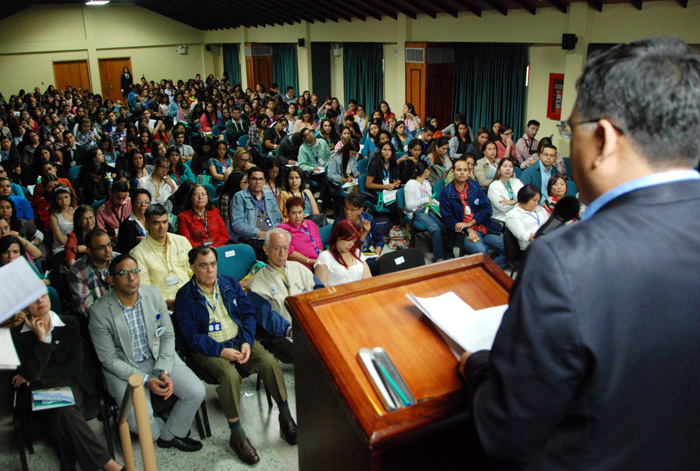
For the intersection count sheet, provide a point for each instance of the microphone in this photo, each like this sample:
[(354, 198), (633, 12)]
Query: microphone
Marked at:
[(565, 210)]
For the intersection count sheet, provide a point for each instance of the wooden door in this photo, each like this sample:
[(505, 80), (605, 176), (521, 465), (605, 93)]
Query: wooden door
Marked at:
[(263, 70), (416, 79), (71, 73), (110, 76), (439, 92)]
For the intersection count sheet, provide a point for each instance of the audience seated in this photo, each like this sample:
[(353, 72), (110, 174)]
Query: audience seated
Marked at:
[(527, 145), (200, 221), (503, 190), (486, 167), (295, 185), (343, 262), (88, 275), (50, 350), (217, 321), (539, 173), (61, 208), (115, 210), (158, 184), (139, 313), (133, 229), (83, 222), (305, 245), (528, 216), (21, 204), (235, 182)]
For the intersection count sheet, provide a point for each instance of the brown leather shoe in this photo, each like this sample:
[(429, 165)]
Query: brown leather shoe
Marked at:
[(245, 451), (288, 430)]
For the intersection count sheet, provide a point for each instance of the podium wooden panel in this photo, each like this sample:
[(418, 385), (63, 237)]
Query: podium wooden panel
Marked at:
[(342, 423)]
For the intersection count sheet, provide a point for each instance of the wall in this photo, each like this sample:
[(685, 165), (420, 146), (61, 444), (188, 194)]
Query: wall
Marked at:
[(33, 39), (543, 61)]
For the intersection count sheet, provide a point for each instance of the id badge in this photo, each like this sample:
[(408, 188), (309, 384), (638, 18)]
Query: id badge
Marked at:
[(172, 280), (208, 241), (467, 210), (116, 231), (385, 181), (268, 222), (160, 330), (215, 327)]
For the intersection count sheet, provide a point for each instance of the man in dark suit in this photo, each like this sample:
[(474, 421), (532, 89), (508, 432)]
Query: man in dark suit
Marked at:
[(595, 365), (541, 171), (127, 81)]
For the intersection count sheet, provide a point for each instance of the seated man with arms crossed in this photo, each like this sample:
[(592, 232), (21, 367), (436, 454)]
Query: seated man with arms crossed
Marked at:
[(217, 321), (132, 333), (269, 287)]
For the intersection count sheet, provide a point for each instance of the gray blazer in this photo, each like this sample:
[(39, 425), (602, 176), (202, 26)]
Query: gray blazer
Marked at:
[(110, 334)]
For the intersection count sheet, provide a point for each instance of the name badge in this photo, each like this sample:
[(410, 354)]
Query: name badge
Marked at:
[(116, 231), (274, 289), (385, 181), (215, 327), (160, 330), (268, 222), (172, 280), (208, 241)]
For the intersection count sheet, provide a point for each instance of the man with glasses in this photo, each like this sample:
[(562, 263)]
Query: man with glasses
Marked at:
[(132, 334), (115, 210), (540, 172), (88, 275), (253, 213), (217, 321), (158, 184), (595, 362)]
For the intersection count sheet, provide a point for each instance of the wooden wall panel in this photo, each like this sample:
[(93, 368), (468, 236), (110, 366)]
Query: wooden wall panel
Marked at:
[(73, 73), (416, 81)]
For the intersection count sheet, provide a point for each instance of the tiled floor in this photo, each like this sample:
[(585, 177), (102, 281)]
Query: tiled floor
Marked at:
[(259, 422)]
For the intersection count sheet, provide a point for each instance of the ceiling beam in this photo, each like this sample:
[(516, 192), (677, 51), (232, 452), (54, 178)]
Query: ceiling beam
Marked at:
[(637, 4), (683, 3), (310, 11), (408, 9), (469, 6), (559, 4), (446, 8), (596, 5), (384, 9), (497, 6), (346, 12), (431, 12), (530, 8)]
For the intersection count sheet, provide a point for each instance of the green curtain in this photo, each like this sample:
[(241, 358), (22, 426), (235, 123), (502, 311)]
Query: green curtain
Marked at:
[(363, 74), (284, 67), (232, 66), (489, 84)]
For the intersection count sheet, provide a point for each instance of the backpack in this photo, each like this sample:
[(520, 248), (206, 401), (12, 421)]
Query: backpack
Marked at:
[(398, 238)]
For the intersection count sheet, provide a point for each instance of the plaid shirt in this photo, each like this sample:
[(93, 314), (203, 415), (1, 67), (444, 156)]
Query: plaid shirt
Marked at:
[(88, 283), (137, 330)]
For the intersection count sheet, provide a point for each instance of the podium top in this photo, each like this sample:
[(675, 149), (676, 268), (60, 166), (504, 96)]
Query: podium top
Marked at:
[(340, 320)]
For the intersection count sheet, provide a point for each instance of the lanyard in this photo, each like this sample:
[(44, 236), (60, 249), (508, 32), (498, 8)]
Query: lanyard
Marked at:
[(510, 190), (386, 172), (205, 221), (314, 153), (308, 233), (534, 216), (260, 208), (216, 298), (157, 188), (121, 213)]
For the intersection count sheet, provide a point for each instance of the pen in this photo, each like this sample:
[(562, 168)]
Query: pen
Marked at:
[(394, 385)]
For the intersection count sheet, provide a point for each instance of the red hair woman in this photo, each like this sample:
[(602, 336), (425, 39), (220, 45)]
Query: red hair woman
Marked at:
[(343, 262)]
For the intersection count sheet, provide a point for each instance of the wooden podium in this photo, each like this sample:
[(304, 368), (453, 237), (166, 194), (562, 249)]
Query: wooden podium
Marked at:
[(342, 423)]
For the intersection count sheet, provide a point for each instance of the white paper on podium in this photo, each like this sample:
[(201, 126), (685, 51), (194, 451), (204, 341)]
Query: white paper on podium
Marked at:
[(464, 328)]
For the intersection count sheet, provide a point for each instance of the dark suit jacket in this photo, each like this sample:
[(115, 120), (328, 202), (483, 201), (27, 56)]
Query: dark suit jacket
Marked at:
[(126, 83), (595, 366), (53, 362), (533, 174)]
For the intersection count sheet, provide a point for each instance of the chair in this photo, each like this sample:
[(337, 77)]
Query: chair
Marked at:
[(243, 140), (211, 189), (362, 165), (235, 260), (571, 189), (567, 164), (518, 172), (325, 232), (74, 172), (188, 163), (409, 221), (514, 255), (96, 204), (400, 260), (437, 188)]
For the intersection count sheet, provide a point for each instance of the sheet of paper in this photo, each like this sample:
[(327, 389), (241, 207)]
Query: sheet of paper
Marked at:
[(19, 287), (8, 354), (469, 329), (389, 196), (321, 171)]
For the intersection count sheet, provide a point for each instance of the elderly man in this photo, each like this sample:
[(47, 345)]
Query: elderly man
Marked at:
[(132, 333), (269, 287), (595, 363), (217, 322), (162, 256)]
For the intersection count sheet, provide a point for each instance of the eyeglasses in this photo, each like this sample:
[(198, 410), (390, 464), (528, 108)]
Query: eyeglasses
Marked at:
[(566, 128), (142, 202), (88, 218), (256, 179), (124, 274)]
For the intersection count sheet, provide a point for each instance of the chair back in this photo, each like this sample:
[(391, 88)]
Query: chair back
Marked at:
[(362, 165), (362, 182), (571, 189), (325, 232), (235, 260), (74, 172), (438, 187), (96, 204), (401, 199), (211, 190), (567, 164), (243, 140), (518, 172), (400, 260), (511, 246)]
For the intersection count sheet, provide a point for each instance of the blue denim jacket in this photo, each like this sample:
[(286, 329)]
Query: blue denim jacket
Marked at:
[(244, 211)]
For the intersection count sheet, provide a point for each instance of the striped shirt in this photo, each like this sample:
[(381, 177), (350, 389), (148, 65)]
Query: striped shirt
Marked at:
[(137, 330)]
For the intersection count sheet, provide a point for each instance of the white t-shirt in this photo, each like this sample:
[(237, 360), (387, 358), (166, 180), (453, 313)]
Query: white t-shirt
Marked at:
[(525, 223), (338, 274)]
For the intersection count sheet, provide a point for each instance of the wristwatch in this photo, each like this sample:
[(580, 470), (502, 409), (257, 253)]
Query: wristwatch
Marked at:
[(158, 373)]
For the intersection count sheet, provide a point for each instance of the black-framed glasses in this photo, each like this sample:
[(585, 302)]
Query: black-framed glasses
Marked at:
[(566, 128), (124, 274)]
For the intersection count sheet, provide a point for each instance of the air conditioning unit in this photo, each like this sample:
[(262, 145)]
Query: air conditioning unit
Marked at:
[(262, 51), (182, 49)]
